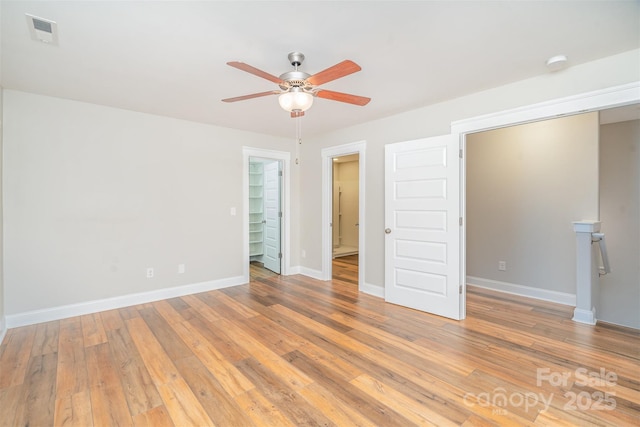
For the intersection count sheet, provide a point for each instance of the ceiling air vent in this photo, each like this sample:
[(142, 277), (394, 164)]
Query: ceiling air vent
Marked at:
[(42, 30)]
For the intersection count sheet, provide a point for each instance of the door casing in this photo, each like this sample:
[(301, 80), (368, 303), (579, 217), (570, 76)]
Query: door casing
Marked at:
[(327, 206), (285, 204)]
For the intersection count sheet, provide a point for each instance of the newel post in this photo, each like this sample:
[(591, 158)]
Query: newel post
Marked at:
[(586, 272)]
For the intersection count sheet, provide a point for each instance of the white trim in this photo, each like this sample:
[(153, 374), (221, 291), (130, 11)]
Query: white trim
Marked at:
[(3, 328), (374, 290), (584, 316), (314, 274), (285, 246), (327, 204), (525, 291), (616, 96), (71, 310)]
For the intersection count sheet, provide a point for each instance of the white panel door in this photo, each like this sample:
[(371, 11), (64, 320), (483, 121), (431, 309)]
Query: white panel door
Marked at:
[(272, 216), (422, 234)]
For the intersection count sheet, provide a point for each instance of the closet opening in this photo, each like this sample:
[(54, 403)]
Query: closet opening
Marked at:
[(265, 217)]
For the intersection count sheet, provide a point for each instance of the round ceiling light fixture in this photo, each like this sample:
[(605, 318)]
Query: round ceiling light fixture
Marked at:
[(557, 62), (295, 100)]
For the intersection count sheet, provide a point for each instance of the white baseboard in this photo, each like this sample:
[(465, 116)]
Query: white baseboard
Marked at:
[(584, 316), (375, 290), (79, 309), (3, 328), (525, 291), (367, 288), (314, 274), (293, 270)]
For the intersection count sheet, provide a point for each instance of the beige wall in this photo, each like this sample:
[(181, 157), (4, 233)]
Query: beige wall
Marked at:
[(619, 299), (430, 121), (95, 195), (525, 186)]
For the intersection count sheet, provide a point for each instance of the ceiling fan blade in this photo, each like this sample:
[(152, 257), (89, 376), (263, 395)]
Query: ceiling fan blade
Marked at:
[(256, 72), (343, 97), (253, 95), (342, 69), (295, 114)]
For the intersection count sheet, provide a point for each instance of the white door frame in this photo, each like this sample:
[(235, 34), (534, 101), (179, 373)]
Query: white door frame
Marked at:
[(612, 97), (285, 205), (327, 205)]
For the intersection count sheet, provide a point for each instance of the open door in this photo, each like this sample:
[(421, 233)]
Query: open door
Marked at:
[(272, 216), (423, 226)]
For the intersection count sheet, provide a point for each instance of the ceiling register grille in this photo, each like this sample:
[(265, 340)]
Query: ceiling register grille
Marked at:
[(42, 30)]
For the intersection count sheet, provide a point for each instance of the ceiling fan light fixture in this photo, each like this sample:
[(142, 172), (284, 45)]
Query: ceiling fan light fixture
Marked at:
[(295, 100)]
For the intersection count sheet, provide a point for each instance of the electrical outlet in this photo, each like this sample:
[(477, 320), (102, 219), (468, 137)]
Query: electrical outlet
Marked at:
[(180, 268), (502, 265), (304, 253), (149, 273)]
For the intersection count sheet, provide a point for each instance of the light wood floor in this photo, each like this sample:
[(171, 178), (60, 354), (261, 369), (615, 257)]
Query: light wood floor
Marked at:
[(296, 351)]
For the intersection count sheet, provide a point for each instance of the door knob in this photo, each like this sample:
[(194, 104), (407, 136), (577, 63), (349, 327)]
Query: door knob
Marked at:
[(387, 230)]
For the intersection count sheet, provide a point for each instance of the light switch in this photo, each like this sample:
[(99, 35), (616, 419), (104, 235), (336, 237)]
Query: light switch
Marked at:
[(233, 211)]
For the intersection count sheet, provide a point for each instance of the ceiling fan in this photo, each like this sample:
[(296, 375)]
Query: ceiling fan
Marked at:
[(297, 88)]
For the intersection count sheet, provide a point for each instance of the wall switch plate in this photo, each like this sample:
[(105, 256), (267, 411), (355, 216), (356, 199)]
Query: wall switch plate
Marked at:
[(233, 211), (180, 268), (149, 273), (502, 265)]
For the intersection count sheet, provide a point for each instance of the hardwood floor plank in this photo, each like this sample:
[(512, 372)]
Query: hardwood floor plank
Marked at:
[(278, 392), (40, 383), (46, 338), (15, 357), (262, 412), (289, 374), (183, 407), (156, 417), (377, 412), (72, 375), (413, 410), (111, 320), (93, 330), (173, 346), (219, 404), (158, 363), (74, 410), (241, 309), (108, 402), (139, 390), (338, 411), (229, 377)]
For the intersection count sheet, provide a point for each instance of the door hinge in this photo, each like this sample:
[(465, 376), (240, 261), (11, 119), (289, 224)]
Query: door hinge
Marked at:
[(460, 221), (460, 289), (461, 153), (280, 256), (280, 214), (279, 173)]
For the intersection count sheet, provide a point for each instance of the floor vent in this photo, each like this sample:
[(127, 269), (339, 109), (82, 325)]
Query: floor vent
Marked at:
[(42, 30)]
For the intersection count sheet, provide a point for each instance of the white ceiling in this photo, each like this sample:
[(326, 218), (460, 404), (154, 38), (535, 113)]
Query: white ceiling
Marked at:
[(169, 58)]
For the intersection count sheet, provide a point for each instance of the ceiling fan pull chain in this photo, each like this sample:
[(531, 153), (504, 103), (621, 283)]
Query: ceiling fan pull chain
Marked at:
[(298, 138)]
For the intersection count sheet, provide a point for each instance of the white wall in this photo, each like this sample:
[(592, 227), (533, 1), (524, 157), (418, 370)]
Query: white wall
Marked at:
[(95, 195), (430, 121), (525, 186), (619, 299)]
